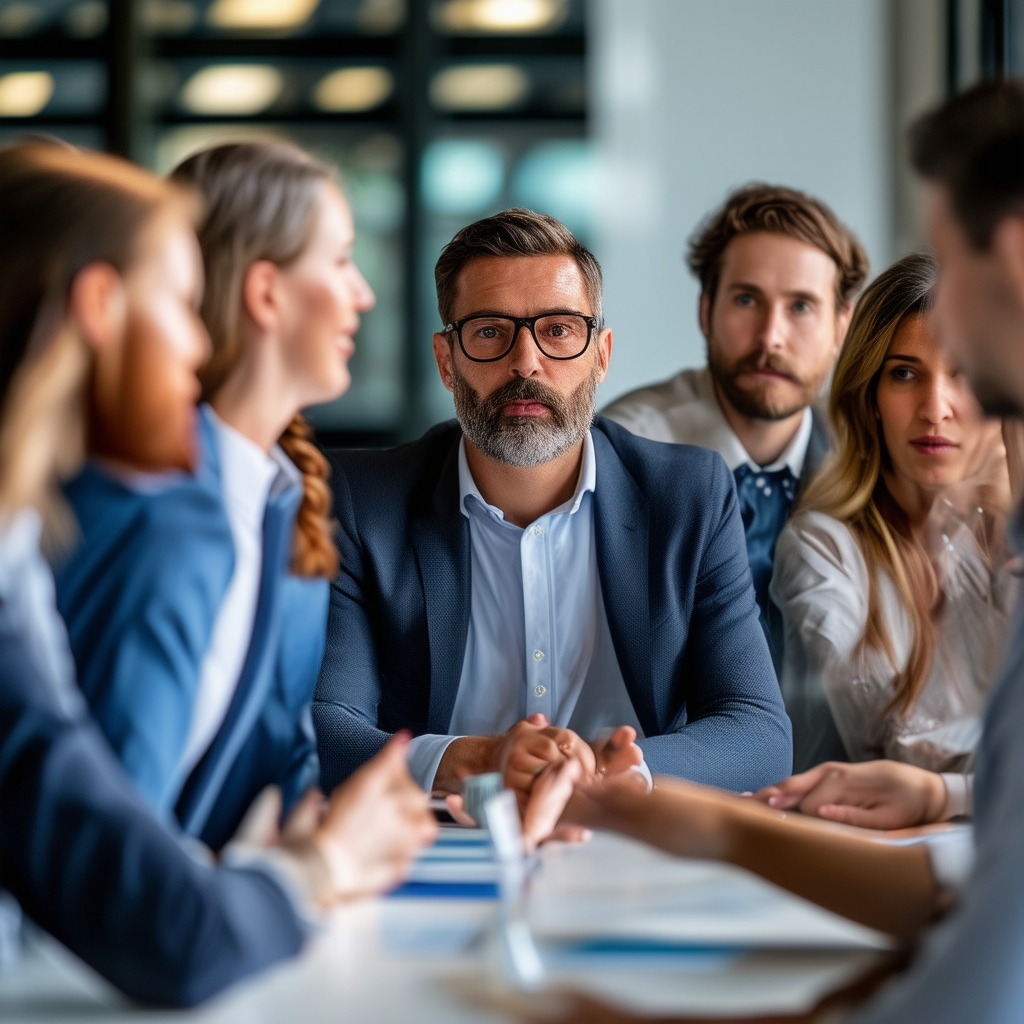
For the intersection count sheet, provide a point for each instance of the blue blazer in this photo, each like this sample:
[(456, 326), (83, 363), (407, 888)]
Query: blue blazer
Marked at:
[(140, 594), (90, 863), (673, 567)]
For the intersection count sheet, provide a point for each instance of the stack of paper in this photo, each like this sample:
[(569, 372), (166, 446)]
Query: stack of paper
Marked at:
[(621, 894), (460, 864)]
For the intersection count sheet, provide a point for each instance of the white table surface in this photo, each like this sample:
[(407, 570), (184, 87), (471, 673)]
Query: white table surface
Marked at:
[(427, 960)]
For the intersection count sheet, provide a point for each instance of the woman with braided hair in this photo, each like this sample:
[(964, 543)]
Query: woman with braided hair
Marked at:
[(100, 339), (200, 665)]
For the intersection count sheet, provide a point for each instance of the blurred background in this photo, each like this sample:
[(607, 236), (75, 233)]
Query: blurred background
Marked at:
[(627, 119)]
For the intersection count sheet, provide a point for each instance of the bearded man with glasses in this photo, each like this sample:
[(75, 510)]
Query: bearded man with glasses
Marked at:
[(527, 584)]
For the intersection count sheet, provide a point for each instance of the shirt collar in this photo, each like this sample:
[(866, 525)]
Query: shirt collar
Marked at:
[(796, 452), (585, 482), (718, 435), (247, 473), (288, 474)]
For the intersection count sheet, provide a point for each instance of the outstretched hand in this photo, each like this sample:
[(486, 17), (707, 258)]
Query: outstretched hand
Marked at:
[(374, 825), (618, 752), (871, 794)]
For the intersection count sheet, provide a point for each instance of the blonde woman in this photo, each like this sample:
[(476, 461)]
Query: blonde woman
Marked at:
[(891, 578)]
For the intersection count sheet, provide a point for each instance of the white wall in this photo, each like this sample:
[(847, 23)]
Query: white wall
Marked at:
[(692, 98)]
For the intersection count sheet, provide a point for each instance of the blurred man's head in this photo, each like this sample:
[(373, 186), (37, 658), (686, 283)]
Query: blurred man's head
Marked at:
[(778, 275), (971, 154), (523, 347)]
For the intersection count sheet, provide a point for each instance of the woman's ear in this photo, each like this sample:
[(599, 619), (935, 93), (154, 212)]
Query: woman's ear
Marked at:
[(259, 294), (98, 305)]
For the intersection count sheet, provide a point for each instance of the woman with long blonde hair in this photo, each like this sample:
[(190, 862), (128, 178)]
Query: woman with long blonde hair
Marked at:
[(891, 578)]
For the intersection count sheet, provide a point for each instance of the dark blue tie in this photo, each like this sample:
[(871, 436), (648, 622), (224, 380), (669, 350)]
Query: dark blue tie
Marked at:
[(765, 501)]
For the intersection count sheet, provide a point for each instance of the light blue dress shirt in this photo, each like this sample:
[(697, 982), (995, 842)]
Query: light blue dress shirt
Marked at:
[(538, 636)]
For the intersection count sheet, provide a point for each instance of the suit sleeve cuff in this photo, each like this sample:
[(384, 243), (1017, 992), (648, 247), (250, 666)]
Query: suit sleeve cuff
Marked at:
[(423, 757), (959, 795)]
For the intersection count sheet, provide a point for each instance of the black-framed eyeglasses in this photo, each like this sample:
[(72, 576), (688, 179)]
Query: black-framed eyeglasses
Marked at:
[(485, 338)]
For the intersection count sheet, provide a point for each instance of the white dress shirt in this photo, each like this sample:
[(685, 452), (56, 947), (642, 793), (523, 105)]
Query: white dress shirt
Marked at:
[(685, 410), (538, 637), (247, 475)]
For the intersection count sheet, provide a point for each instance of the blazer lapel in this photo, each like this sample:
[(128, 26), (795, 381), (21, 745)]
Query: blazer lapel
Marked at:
[(441, 543), (622, 524), (204, 785)]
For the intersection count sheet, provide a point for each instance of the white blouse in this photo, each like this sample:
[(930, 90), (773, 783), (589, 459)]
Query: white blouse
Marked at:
[(820, 584), (248, 475)]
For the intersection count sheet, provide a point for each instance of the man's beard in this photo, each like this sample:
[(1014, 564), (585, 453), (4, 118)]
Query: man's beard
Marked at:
[(760, 402), (524, 440)]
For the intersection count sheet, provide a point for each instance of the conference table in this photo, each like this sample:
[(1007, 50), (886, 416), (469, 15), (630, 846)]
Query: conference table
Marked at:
[(612, 918)]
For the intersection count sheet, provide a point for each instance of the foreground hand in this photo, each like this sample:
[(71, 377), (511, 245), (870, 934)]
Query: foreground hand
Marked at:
[(871, 794), (618, 752), (546, 805), (543, 809), (374, 825), (261, 828)]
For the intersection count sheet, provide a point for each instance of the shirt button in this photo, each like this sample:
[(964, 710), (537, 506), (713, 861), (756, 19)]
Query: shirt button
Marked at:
[(539, 691), (538, 530), (538, 655)]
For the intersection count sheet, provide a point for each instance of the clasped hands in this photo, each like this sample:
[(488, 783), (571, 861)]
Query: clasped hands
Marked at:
[(542, 764)]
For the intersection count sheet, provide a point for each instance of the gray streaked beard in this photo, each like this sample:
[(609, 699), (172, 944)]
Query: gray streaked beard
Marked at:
[(524, 440)]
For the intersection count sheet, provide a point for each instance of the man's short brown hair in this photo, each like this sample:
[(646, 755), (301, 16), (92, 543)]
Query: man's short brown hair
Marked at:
[(974, 147), (515, 232), (778, 211)]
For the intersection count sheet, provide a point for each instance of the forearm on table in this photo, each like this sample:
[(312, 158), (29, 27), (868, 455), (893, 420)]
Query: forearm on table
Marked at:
[(890, 888), (466, 755)]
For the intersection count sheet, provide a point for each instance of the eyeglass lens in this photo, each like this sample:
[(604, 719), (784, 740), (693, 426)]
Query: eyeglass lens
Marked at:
[(561, 336)]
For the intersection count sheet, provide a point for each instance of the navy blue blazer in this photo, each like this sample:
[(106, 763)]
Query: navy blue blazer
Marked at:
[(140, 593), (673, 567), (90, 863)]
